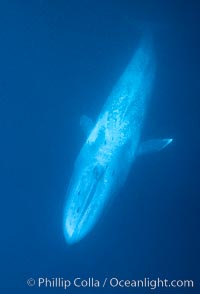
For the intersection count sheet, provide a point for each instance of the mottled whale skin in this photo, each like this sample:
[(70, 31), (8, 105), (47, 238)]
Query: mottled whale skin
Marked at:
[(111, 146)]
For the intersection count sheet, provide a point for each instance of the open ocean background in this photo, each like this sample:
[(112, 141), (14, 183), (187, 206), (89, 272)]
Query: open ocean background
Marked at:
[(58, 61)]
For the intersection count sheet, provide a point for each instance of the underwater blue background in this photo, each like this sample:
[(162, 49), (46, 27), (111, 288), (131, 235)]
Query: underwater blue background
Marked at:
[(58, 61)]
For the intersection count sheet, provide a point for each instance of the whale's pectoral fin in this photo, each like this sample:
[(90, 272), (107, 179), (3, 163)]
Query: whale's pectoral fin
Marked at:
[(153, 145), (87, 124)]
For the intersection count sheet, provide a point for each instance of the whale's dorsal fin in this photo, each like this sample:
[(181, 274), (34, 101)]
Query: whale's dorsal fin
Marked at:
[(86, 124), (153, 145)]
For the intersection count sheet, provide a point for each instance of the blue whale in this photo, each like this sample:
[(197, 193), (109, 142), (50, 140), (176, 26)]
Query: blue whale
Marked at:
[(111, 145)]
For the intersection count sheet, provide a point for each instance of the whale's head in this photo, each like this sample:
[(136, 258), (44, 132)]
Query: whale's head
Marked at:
[(85, 187)]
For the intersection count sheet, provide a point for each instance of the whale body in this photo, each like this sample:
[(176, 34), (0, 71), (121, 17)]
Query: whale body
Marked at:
[(111, 146)]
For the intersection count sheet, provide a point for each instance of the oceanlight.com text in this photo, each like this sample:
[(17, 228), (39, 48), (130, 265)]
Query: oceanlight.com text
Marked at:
[(111, 282)]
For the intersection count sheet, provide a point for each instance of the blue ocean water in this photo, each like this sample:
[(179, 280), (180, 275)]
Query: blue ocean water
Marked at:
[(59, 61)]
